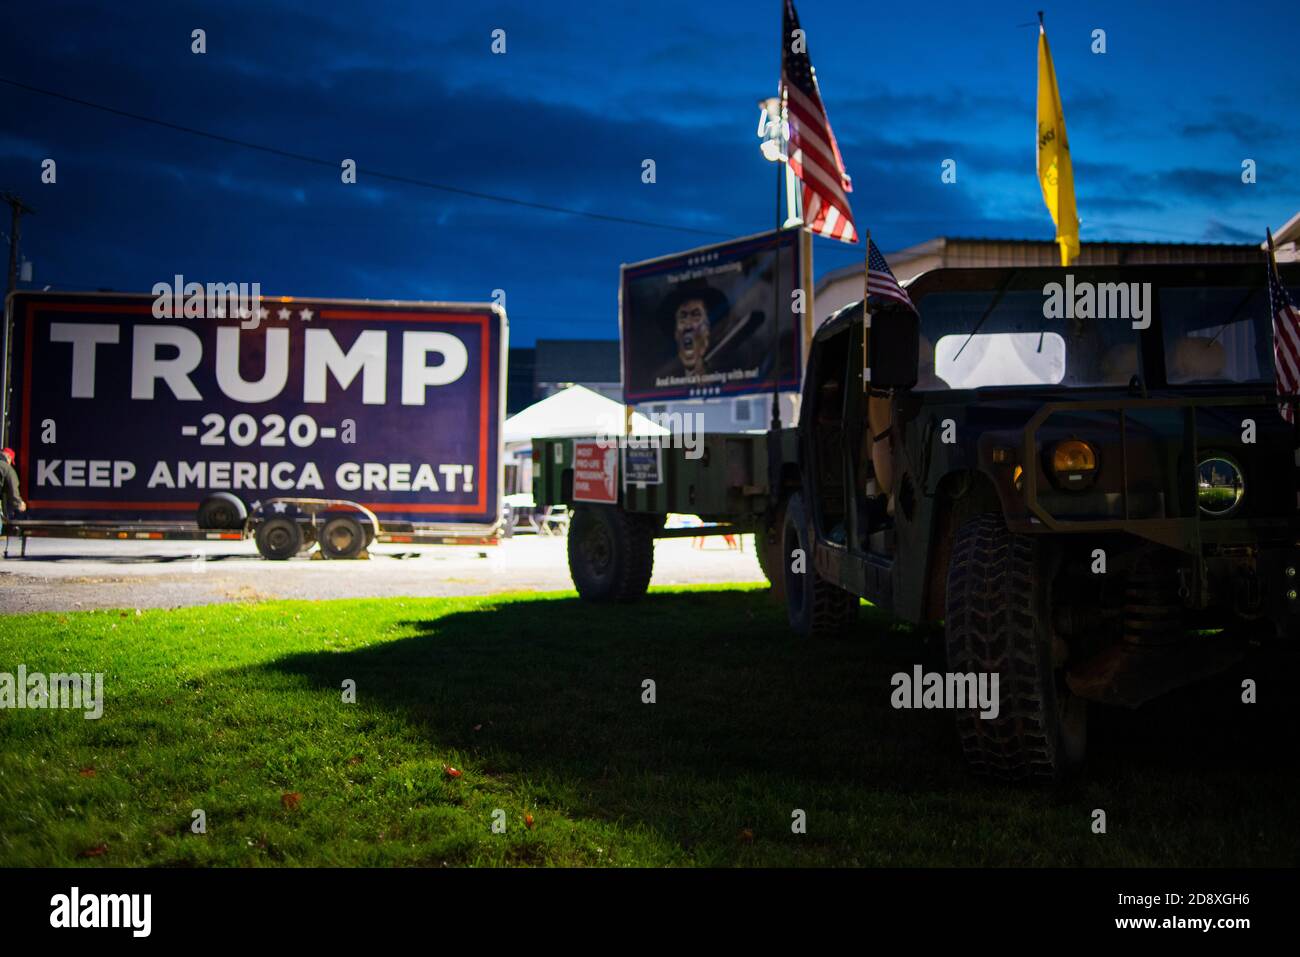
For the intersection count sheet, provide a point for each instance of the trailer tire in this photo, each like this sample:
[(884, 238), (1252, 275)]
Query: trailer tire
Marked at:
[(342, 537), (769, 552), (996, 624), (221, 510), (278, 539), (611, 553), (816, 608)]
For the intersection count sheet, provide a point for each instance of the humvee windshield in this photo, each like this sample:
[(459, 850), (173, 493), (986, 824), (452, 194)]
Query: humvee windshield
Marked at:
[(1210, 335), (1217, 334), (1013, 344)]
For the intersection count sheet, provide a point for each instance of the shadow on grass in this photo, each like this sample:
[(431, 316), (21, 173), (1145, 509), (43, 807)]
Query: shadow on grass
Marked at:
[(561, 681), (750, 722)]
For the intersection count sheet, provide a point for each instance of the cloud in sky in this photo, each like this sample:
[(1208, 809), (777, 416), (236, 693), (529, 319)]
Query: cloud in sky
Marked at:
[(566, 118)]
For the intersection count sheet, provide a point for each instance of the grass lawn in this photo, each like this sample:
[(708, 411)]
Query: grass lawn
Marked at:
[(536, 699)]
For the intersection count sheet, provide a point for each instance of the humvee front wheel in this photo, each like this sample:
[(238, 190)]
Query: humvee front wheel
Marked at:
[(611, 553), (997, 624), (816, 608)]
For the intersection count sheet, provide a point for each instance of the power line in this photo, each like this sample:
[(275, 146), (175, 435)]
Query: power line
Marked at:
[(60, 285), (827, 246), (378, 174), (458, 190)]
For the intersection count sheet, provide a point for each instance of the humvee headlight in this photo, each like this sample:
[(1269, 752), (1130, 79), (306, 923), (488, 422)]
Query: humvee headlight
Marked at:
[(1220, 486), (1074, 463)]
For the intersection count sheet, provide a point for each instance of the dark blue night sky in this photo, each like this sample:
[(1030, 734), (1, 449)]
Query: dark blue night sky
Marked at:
[(1159, 126)]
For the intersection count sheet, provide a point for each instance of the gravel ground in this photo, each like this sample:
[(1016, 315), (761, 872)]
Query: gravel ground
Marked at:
[(71, 574)]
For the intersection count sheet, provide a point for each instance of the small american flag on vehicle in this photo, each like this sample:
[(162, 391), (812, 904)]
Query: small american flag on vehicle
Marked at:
[(880, 278), (814, 155), (1286, 337)]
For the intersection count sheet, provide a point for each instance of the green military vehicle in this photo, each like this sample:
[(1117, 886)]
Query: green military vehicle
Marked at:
[(724, 481), (1078, 466), (1082, 473)]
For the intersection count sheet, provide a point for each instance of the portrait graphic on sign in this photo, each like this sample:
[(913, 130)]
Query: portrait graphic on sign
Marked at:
[(705, 322)]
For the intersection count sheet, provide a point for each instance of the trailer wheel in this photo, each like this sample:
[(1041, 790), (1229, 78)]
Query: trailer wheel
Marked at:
[(996, 624), (222, 510), (816, 608), (611, 553), (278, 539), (342, 537), (767, 546)]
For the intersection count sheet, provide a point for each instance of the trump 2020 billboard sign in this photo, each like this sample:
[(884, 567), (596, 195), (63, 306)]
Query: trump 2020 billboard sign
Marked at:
[(123, 411)]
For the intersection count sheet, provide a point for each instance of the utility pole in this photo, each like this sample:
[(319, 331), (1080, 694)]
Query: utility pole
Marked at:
[(19, 208)]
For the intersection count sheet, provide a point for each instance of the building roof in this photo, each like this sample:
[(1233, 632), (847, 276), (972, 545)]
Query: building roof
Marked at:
[(577, 360), (1289, 232), (975, 250), (520, 390)]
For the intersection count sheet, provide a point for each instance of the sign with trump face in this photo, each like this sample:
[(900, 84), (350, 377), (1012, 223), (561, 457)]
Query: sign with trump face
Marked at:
[(714, 321)]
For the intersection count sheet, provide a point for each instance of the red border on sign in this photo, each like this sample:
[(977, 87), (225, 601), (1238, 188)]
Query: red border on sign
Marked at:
[(485, 380)]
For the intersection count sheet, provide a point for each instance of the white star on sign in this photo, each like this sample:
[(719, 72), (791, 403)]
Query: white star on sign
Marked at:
[(262, 312), (284, 315), (279, 506), (306, 315)]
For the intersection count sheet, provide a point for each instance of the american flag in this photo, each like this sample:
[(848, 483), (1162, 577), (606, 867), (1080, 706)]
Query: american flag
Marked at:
[(814, 155), (1286, 338), (880, 278)]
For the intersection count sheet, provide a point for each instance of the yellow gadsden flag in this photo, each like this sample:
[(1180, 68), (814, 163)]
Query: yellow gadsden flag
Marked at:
[(1055, 173)]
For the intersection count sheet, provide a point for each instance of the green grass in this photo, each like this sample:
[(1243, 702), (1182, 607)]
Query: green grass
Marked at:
[(537, 699)]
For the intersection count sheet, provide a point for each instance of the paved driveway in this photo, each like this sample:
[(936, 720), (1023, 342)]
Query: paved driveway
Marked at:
[(70, 574)]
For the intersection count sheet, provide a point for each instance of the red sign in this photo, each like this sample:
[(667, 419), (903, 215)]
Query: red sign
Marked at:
[(595, 473)]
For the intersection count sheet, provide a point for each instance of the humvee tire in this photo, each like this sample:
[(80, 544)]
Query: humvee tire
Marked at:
[(996, 623), (611, 553), (816, 608)]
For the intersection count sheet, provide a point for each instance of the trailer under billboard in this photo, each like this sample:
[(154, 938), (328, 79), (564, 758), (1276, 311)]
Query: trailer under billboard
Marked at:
[(129, 423)]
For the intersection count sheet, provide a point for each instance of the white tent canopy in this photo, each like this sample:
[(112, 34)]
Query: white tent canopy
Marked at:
[(574, 412)]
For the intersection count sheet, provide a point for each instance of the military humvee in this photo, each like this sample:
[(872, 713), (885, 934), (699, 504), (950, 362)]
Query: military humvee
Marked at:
[(1101, 505)]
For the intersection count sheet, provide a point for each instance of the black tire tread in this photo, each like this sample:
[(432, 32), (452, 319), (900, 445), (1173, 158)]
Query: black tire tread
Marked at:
[(831, 611), (834, 610), (769, 553), (633, 542), (260, 536), (360, 539), (639, 531), (992, 626)]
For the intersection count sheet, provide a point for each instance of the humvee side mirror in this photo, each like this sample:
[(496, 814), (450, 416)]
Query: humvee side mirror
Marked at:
[(893, 343)]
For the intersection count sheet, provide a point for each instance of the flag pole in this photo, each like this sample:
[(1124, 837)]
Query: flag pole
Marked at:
[(775, 423), (866, 311), (1272, 275)]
